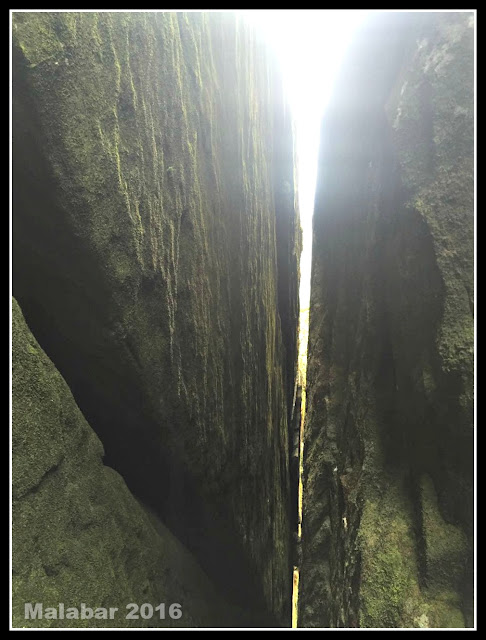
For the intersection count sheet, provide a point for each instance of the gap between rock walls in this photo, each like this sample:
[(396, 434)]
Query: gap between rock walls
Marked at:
[(242, 325)]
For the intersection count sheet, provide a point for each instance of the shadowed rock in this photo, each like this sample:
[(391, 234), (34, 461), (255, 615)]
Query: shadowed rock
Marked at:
[(388, 489), (155, 259)]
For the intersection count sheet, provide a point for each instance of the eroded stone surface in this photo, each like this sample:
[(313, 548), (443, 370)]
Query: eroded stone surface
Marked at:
[(388, 495), (156, 247), (79, 536)]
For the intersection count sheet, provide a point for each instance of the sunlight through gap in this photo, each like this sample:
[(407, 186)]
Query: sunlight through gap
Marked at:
[(309, 45)]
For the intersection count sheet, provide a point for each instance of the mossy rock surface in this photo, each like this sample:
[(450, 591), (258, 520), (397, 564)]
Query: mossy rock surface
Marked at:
[(156, 246), (388, 488), (79, 535)]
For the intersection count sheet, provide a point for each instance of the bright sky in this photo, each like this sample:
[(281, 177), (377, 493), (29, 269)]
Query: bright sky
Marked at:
[(310, 46)]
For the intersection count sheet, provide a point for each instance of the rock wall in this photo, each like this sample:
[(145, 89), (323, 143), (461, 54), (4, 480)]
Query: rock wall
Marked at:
[(155, 248), (79, 535), (388, 486)]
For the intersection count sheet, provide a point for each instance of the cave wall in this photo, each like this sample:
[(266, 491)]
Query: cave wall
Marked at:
[(388, 468), (155, 252)]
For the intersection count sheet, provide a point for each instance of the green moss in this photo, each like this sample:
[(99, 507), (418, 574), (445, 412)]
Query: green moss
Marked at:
[(40, 41), (391, 332), (389, 592), (445, 613), (78, 533), (150, 205), (393, 593), (438, 95), (445, 544)]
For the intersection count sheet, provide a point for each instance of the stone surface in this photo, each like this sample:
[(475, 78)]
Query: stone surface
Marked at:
[(78, 533), (388, 486), (156, 247)]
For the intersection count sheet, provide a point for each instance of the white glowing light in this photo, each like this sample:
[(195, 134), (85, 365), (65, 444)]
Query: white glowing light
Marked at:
[(310, 45)]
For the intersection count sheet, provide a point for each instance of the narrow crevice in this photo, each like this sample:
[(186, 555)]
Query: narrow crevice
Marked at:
[(297, 464)]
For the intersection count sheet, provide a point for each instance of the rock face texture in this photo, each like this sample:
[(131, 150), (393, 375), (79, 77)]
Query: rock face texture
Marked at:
[(78, 533), (388, 486), (155, 249)]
